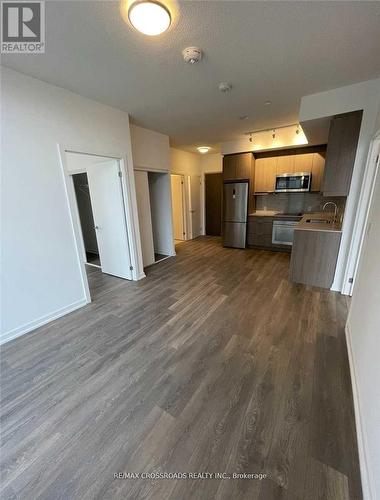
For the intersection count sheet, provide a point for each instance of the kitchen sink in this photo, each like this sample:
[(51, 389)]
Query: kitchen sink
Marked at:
[(319, 221)]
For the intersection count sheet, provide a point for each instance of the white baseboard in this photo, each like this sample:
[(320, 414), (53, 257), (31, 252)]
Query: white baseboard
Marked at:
[(43, 320), (366, 477)]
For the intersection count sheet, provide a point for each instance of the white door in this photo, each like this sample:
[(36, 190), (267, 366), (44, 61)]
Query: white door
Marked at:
[(195, 205), (177, 183), (109, 218)]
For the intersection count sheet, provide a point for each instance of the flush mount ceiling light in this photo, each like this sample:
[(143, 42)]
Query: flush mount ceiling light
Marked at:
[(203, 149), (149, 17)]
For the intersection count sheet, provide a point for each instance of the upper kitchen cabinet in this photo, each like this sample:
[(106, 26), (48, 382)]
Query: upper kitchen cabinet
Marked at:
[(284, 164), (244, 166), (340, 154), (317, 170), (265, 174), (237, 167), (229, 168), (303, 162)]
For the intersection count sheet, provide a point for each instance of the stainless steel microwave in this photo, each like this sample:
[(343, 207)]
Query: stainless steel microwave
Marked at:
[(293, 183)]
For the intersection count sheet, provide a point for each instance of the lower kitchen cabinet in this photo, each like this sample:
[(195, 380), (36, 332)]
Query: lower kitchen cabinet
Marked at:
[(259, 240), (259, 234), (314, 257)]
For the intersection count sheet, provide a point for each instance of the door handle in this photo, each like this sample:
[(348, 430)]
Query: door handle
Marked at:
[(96, 227)]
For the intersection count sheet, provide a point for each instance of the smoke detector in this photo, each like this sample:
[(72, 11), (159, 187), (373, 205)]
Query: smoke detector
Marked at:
[(192, 55), (225, 87)]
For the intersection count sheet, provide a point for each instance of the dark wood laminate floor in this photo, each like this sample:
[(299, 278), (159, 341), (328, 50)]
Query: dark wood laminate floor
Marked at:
[(213, 363)]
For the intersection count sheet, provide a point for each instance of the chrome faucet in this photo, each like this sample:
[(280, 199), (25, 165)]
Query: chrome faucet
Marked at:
[(335, 208)]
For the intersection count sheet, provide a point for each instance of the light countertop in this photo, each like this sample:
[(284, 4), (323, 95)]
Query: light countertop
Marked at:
[(263, 213), (274, 213), (303, 225)]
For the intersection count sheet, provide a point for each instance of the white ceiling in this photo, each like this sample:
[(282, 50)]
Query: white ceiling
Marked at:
[(277, 51)]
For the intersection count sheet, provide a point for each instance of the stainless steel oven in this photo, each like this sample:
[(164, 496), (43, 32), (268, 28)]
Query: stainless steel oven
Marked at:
[(282, 232), (293, 183)]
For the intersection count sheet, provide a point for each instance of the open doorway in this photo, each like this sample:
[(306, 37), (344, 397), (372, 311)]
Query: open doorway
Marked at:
[(86, 218), (155, 219), (186, 207), (97, 205)]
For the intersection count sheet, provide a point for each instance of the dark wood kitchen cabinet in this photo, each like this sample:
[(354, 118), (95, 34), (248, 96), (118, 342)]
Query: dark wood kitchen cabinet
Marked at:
[(317, 171), (259, 233), (229, 168), (237, 167), (244, 166), (314, 257), (340, 154)]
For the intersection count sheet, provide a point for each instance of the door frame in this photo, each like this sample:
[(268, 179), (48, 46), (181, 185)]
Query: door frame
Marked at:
[(203, 197), (362, 213), (190, 210), (130, 210), (185, 204)]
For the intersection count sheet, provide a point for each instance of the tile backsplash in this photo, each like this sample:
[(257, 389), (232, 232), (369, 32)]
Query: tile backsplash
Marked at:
[(297, 202)]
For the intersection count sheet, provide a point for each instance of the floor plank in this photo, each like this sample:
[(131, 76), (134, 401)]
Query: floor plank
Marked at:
[(214, 363)]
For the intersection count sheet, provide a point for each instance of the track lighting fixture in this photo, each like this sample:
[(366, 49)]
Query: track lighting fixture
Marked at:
[(293, 134)]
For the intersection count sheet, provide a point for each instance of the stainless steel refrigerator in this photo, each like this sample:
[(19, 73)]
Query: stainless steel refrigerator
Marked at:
[(235, 208)]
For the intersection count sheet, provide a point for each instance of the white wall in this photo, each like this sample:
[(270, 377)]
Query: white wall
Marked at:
[(150, 149), (366, 96), (40, 265), (183, 162), (211, 163), (363, 335), (189, 165), (377, 125), (145, 219)]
